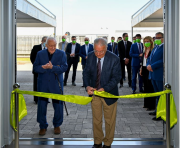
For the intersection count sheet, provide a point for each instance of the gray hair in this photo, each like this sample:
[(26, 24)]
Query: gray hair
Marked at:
[(100, 41), (43, 38), (162, 34), (51, 39)]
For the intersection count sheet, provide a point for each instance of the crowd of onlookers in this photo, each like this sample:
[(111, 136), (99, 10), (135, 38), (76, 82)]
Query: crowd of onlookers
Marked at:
[(103, 65)]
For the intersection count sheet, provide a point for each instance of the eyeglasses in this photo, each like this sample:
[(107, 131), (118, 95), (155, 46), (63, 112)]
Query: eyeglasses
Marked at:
[(101, 52)]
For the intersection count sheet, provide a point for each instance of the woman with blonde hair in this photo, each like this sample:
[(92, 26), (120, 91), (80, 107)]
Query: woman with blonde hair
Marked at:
[(149, 103)]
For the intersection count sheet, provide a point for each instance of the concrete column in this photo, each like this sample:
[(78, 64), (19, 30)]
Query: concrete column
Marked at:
[(7, 66), (172, 54)]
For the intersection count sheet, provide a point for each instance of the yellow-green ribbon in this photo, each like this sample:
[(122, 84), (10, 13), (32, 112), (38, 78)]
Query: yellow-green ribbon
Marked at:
[(83, 100)]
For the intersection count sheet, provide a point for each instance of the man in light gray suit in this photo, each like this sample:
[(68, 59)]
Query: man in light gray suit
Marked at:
[(62, 45)]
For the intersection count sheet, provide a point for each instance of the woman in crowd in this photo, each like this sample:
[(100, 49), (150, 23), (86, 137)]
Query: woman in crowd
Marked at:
[(149, 103)]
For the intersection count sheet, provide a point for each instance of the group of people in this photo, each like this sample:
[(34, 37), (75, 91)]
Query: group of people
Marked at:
[(103, 67)]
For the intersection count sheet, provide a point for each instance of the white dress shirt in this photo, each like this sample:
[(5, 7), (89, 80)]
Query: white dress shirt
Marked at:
[(73, 49), (102, 60)]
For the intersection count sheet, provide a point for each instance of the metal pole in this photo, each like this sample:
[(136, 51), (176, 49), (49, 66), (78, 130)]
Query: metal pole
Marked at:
[(62, 18), (168, 136), (16, 85), (132, 33)]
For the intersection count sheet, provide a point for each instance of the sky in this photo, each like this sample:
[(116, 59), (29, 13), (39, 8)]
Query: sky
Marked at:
[(87, 16)]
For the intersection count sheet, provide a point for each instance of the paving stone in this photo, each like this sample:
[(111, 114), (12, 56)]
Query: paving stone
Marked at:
[(132, 121)]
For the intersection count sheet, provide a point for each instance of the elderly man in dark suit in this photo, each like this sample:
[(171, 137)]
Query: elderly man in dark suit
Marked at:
[(50, 64), (72, 52), (102, 73), (33, 54)]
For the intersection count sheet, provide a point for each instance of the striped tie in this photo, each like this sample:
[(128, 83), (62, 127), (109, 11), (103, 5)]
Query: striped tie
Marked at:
[(98, 74)]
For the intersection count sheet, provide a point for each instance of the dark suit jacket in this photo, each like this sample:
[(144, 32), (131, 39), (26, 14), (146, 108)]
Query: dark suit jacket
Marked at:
[(134, 53), (110, 74), (122, 52), (34, 52), (114, 47), (68, 52), (47, 81), (156, 62), (82, 53)]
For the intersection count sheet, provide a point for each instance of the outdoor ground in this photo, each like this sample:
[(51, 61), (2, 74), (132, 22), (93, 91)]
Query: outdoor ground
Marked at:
[(132, 119)]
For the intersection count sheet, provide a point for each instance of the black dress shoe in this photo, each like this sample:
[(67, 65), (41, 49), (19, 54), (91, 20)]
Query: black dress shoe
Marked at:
[(157, 119), (152, 113), (73, 84), (141, 91), (104, 146), (121, 85), (65, 84), (82, 86), (133, 92), (35, 102), (129, 85), (97, 146)]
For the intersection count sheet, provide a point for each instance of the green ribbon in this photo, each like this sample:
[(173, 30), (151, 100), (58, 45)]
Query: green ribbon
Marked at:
[(83, 100)]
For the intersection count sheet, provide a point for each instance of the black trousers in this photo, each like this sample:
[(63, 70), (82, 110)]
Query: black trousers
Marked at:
[(83, 67), (128, 66), (149, 102), (74, 63), (35, 86)]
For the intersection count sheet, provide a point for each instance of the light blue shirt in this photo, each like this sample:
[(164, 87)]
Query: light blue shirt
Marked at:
[(87, 48), (102, 60), (63, 45)]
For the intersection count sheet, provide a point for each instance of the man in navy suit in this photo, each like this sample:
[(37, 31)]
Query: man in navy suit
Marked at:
[(83, 53), (102, 73), (136, 52), (155, 67), (113, 46), (72, 52), (50, 64)]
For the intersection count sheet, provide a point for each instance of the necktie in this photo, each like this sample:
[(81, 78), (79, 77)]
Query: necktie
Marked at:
[(98, 74), (125, 45), (140, 51)]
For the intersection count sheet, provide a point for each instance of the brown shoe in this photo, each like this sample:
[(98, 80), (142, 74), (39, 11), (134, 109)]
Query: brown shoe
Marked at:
[(42, 132), (57, 130)]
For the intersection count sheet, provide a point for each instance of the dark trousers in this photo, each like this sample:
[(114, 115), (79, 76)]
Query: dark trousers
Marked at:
[(74, 63), (135, 72), (158, 86), (42, 110), (128, 66), (83, 67), (149, 102), (35, 86)]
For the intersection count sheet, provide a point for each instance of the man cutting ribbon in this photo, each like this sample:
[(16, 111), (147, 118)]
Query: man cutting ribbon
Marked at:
[(102, 73)]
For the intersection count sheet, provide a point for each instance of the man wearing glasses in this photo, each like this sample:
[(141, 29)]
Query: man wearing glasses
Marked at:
[(72, 52), (102, 73), (155, 67)]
